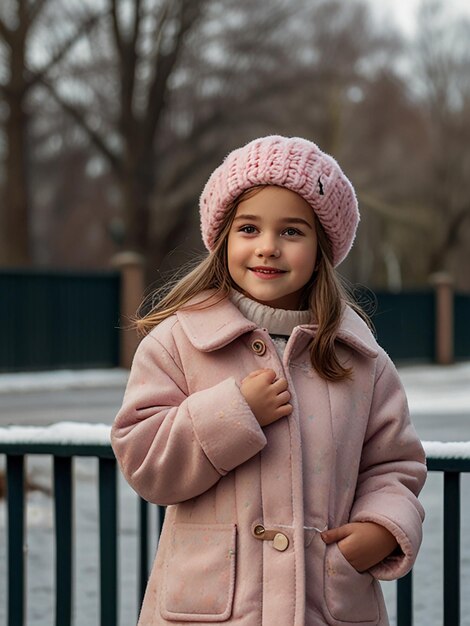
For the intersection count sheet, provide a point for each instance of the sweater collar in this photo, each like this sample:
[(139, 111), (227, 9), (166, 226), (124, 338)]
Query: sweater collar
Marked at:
[(276, 321), (211, 326)]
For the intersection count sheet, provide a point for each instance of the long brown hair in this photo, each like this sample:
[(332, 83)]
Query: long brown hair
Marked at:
[(325, 295)]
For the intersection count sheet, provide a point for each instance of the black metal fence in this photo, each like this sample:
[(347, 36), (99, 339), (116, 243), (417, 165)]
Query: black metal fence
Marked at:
[(405, 324), (108, 533), (52, 320), (462, 326), (63, 456)]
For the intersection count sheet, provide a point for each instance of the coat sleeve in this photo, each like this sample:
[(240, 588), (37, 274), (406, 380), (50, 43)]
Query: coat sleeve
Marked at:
[(172, 446), (392, 473)]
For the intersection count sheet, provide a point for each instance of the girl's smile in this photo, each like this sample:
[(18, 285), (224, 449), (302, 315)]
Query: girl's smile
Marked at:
[(267, 273), (272, 247)]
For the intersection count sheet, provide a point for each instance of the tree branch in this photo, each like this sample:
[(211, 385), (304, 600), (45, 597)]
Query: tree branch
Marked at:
[(389, 211), (93, 136), (85, 27), (129, 58), (159, 27), (455, 227), (34, 10), (439, 257), (5, 33), (116, 28), (137, 21), (164, 64)]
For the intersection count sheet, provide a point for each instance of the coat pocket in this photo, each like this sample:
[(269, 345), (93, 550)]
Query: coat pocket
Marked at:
[(350, 596), (199, 573)]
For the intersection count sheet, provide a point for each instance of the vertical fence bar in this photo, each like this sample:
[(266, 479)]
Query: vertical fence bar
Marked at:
[(16, 545), (160, 519), (144, 542), (451, 548), (63, 539), (405, 600), (108, 542), (143, 547)]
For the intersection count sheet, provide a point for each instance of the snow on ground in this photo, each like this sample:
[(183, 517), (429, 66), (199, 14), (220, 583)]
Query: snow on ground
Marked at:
[(99, 434), (63, 379), (437, 388), (60, 433)]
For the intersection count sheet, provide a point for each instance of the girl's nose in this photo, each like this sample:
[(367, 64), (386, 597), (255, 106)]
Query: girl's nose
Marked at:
[(268, 249)]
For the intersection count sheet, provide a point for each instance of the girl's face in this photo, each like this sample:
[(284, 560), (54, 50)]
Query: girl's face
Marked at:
[(272, 247)]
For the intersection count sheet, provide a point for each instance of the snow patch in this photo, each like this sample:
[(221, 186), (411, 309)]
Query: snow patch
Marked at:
[(76, 433), (63, 379), (447, 449), (437, 388), (439, 401), (65, 433)]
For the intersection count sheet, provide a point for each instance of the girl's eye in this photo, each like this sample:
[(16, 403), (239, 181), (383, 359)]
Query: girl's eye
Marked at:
[(291, 232), (249, 230)]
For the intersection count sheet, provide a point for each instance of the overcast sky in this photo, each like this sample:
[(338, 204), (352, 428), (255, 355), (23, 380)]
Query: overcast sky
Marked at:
[(403, 12)]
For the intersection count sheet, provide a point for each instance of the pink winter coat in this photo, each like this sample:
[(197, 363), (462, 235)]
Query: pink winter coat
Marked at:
[(240, 542)]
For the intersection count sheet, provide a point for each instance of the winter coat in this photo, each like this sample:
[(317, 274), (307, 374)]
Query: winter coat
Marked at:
[(241, 542)]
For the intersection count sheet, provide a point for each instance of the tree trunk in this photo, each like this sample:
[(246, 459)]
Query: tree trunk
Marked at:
[(15, 249), (438, 259), (136, 192)]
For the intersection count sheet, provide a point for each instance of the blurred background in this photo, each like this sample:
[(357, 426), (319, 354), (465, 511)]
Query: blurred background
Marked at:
[(113, 113)]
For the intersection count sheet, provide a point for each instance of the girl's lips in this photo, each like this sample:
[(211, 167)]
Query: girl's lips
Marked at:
[(267, 272)]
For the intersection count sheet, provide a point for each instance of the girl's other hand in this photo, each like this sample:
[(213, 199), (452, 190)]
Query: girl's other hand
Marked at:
[(363, 544), (267, 397)]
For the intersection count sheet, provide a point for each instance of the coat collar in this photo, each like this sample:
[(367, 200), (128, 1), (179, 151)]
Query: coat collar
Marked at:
[(214, 326), (354, 332)]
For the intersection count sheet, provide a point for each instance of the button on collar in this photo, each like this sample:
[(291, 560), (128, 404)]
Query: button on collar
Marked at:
[(259, 347)]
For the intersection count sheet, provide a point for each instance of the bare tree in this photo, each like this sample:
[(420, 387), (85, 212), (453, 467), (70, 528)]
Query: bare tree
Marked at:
[(18, 21), (167, 85), (145, 44), (444, 63), (161, 90), (228, 89)]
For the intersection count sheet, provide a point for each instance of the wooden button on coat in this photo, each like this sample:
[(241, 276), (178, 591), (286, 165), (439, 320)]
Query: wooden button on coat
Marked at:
[(259, 530), (280, 542), (259, 347)]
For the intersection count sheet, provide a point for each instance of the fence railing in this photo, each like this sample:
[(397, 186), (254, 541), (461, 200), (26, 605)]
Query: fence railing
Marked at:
[(75, 322), (77, 317), (63, 442)]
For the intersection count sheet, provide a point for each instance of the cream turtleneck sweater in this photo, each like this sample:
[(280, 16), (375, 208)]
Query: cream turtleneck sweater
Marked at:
[(278, 322)]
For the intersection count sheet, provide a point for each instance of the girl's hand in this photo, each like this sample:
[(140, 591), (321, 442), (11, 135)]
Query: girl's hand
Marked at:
[(363, 544), (267, 397)]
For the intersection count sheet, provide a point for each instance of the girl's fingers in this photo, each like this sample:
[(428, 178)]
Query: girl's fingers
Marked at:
[(268, 372), (256, 373), (283, 397), (336, 534), (280, 385), (284, 410)]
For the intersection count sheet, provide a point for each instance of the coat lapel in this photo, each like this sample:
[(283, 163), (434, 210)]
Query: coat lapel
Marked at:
[(213, 326)]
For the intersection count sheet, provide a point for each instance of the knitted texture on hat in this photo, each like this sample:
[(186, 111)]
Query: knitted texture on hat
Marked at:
[(291, 162)]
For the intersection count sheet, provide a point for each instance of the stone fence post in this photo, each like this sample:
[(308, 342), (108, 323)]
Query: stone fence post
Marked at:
[(131, 267), (444, 330)]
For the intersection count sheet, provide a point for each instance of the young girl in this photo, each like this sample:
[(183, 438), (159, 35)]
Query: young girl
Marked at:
[(261, 410)]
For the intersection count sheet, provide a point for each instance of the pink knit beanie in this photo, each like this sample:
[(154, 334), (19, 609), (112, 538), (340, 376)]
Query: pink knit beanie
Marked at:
[(291, 162)]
